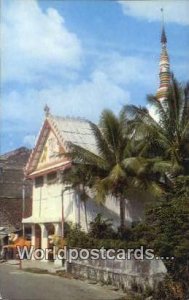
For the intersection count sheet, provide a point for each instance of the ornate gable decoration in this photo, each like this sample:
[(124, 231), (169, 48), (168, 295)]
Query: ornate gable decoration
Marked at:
[(53, 142), (48, 151), (52, 151)]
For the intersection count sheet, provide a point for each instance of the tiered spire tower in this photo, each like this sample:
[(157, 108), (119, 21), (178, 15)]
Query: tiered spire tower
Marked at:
[(164, 75)]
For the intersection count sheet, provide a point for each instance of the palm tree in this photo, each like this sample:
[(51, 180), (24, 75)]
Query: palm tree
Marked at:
[(167, 134), (114, 170)]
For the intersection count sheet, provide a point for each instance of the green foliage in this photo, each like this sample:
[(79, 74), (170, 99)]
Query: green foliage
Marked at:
[(166, 290), (108, 240), (168, 137), (78, 238), (169, 290), (166, 230), (181, 187), (170, 221), (101, 228)]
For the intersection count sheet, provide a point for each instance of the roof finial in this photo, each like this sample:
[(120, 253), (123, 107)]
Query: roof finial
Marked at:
[(163, 35), (46, 110)]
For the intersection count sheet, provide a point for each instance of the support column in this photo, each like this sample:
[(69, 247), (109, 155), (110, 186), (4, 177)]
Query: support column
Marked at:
[(58, 232), (33, 238), (44, 238), (57, 229), (33, 235)]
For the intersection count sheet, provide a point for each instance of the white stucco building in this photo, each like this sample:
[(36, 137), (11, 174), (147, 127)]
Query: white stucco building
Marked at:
[(53, 203)]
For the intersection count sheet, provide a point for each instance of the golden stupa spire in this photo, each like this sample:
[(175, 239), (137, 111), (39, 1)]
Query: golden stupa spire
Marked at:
[(164, 74)]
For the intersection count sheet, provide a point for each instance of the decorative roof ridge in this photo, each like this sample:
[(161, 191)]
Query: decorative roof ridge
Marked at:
[(50, 116), (34, 147), (70, 118), (52, 121)]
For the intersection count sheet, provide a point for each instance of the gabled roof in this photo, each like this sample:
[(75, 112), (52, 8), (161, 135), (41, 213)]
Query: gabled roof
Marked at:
[(75, 130), (67, 130)]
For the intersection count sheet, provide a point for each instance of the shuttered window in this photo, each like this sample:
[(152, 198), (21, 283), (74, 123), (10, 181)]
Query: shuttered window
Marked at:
[(39, 181), (51, 177)]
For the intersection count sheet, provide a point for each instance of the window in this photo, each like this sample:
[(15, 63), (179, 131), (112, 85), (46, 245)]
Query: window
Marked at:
[(51, 177), (39, 181)]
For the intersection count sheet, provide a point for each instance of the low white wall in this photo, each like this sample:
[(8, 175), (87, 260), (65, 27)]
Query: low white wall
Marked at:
[(124, 274)]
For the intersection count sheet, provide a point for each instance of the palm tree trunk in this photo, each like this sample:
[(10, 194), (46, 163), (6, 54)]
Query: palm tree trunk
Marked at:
[(122, 213), (86, 219), (79, 209)]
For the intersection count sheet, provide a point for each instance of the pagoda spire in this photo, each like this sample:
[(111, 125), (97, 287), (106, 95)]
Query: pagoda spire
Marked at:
[(164, 74), (163, 34)]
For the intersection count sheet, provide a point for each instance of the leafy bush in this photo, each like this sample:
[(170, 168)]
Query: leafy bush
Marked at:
[(80, 239), (101, 228), (169, 290)]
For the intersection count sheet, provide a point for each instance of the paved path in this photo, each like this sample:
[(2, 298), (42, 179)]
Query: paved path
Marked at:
[(19, 285), (47, 265)]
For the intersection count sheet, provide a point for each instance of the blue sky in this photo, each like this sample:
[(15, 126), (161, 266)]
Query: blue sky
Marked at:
[(80, 57)]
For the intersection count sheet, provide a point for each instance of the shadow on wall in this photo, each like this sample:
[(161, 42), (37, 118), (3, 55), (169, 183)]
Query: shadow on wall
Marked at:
[(111, 210), (134, 210)]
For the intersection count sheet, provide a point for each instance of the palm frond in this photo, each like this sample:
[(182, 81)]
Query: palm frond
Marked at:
[(117, 173), (82, 155), (102, 145)]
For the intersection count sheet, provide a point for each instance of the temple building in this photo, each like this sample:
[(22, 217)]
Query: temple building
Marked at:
[(55, 203)]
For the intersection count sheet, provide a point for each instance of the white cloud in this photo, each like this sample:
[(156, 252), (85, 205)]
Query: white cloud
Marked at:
[(130, 69), (174, 11), (105, 87), (38, 47), (35, 43), (85, 99)]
